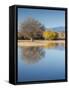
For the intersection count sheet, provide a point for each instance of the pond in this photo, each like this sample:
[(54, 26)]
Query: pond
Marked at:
[(41, 63)]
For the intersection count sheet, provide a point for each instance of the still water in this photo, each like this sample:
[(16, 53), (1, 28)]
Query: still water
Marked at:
[(41, 63)]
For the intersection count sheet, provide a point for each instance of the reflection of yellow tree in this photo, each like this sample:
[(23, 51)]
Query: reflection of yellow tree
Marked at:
[(50, 35), (54, 45), (32, 54), (62, 44), (51, 45)]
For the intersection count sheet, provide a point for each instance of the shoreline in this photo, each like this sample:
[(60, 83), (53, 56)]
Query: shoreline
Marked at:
[(22, 43)]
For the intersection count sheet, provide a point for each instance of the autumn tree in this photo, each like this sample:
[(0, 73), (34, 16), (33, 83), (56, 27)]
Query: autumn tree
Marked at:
[(50, 35), (62, 35)]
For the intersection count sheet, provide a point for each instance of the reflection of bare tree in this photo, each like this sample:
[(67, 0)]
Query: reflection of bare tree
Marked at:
[(32, 54)]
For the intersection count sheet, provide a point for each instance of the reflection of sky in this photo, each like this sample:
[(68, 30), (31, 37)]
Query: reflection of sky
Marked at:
[(50, 18), (51, 67)]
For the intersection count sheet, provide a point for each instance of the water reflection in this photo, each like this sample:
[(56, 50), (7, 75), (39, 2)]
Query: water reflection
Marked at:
[(46, 62), (32, 54), (55, 45)]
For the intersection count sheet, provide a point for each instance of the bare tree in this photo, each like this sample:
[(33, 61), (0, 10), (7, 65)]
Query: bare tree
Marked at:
[(31, 28)]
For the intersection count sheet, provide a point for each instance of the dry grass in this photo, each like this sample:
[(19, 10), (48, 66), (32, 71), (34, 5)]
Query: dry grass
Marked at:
[(22, 43)]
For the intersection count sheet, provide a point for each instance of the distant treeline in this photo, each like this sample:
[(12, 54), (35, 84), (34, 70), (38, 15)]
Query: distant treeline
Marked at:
[(46, 35)]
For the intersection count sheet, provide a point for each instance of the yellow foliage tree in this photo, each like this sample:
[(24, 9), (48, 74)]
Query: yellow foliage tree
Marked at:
[(50, 35)]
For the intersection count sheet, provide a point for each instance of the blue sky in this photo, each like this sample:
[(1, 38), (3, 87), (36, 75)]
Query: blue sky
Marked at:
[(49, 18)]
